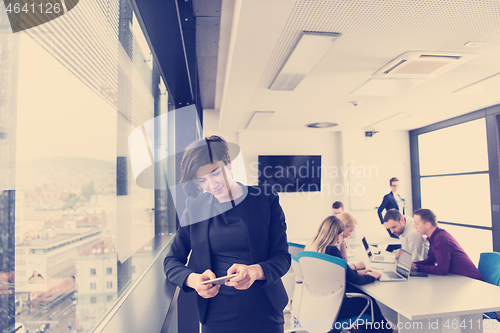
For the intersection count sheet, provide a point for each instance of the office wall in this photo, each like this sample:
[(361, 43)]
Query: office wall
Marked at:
[(355, 169), (303, 210), (372, 162)]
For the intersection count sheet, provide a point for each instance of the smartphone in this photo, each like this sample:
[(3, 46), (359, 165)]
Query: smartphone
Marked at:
[(220, 280)]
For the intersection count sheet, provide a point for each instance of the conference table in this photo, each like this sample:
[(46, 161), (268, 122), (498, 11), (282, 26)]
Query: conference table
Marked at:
[(450, 303)]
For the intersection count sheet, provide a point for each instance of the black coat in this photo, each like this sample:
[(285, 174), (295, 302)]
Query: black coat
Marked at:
[(267, 238), (350, 275), (389, 202)]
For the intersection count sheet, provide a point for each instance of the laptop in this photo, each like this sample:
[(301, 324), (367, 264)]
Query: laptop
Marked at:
[(377, 258), (402, 271)]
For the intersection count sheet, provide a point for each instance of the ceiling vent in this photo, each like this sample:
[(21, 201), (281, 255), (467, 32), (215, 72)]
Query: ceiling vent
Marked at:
[(422, 65)]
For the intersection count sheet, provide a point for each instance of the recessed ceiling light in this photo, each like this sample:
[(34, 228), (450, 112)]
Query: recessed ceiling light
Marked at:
[(321, 125)]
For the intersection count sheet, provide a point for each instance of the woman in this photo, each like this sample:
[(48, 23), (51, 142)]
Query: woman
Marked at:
[(349, 224), (392, 200), (328, 235), (230, 228)]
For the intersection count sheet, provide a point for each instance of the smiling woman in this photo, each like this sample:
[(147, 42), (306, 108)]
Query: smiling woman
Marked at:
[(230, 228)]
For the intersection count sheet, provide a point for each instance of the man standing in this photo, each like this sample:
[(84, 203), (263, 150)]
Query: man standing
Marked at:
[(338, 208), (411, 240), (445, 254)]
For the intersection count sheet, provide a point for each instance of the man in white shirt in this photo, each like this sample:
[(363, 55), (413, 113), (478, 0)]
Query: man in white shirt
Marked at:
[(411, 240)]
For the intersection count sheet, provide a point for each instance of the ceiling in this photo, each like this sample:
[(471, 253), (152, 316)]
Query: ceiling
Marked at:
[(256, 36)]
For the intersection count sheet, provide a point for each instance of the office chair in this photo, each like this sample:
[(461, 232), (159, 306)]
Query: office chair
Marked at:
[(296, 294), (489, 267), (289, 283), (323, 279)]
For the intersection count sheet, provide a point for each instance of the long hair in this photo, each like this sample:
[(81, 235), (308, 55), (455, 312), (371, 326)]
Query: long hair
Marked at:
[(199, 153), (347, 219), (328, 234)]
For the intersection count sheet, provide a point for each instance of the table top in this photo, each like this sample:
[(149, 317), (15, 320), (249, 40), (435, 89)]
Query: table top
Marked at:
[(436, 296), (429, 297), (371, 239)]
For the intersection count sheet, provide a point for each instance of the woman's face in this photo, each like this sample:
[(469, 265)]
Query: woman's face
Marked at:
[(394, 186), (216, 179), (347, 231)]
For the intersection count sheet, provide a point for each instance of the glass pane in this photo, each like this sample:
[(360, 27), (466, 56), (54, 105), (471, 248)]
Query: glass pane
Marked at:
[(66, 189), (455, 149), (459, 199), (473, 241)]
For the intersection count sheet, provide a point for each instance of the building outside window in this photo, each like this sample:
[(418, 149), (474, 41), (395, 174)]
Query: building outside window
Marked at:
[(77, 86)]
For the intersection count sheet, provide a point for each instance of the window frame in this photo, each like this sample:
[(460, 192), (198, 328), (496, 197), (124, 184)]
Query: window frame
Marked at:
[(492, 119)]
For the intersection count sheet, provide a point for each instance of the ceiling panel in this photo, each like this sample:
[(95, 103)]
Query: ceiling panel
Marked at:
[(372, 34)]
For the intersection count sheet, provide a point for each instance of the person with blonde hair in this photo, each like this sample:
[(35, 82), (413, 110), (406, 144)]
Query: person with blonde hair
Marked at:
[(328, 235), (350, 224)]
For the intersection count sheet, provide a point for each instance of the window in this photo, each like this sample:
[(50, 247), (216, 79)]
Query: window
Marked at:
[(456, 185), (93, 299), (74, 93), (109, 298)]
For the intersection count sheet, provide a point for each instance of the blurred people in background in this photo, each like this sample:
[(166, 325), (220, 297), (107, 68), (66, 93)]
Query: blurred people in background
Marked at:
[(411, 240), (445, 254), (338, 208)]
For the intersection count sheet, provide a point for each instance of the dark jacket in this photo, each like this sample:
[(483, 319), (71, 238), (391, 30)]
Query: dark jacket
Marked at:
[(389, 202), (351, 275), (267, 238)]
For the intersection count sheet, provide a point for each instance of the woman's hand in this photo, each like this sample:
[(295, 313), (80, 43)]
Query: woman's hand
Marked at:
[(194, 281), (376, 275), (246, 276), (342, 247)]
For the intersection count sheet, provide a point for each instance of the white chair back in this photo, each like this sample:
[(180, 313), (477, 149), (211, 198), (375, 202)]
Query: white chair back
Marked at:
[(289, 283), (294, 250), (323, 281)]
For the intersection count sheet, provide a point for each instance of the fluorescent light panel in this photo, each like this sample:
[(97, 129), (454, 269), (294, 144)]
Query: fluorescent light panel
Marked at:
[(309, 50), (259, 119), (385, 87), (397, 116), (479, 86)]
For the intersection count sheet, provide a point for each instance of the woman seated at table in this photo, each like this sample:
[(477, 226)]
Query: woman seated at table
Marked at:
[(350, 224), (330, 234)]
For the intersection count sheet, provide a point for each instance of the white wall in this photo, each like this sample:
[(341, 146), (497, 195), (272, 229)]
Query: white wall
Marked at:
[(375, 160), (303, 210), (345, 155)]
